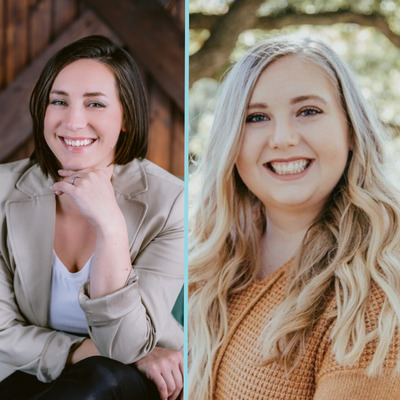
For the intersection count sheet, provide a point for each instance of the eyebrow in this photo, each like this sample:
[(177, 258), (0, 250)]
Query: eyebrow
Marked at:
[(295, 100), (299, 99), (89, 94)]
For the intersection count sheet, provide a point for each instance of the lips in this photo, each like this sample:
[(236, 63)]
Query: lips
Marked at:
[(289, 167)]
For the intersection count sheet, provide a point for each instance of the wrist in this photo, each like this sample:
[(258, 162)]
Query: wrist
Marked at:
[(113, 225)]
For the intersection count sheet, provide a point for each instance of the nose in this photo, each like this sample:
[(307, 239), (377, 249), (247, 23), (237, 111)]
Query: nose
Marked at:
[(284, 134), (75, 119)]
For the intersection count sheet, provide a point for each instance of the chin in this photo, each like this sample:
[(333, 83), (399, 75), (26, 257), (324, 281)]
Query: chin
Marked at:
[(291, 201)]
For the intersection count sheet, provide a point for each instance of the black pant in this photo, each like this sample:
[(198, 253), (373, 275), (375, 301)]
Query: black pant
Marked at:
[(94, 378)]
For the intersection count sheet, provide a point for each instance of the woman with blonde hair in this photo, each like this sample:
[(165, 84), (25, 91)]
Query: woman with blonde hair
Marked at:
[(294, 262)]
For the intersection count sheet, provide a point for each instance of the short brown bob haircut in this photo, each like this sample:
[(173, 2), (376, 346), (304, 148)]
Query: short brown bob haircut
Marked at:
[(132, 143)]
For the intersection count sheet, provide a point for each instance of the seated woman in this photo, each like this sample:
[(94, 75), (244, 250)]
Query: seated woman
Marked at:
[(294, 261), (91, 249)]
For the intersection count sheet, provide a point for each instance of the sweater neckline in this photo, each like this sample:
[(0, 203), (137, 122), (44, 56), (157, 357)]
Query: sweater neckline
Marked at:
[(279, 271)]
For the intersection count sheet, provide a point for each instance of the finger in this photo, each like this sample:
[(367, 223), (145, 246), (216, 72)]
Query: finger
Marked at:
[(63, 187), (170, 381), (178, 378), (68, 172), (161, 385), (181, 363), (177, 393)]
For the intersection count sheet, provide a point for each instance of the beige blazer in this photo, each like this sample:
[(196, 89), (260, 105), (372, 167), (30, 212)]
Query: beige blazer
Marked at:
[(124, 325)]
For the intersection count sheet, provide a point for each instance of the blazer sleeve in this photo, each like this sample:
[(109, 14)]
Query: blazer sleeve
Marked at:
[(36, 350), (127, 324)]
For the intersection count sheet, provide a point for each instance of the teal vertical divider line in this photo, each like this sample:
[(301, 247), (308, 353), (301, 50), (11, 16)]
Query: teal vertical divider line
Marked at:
[(186, 126)]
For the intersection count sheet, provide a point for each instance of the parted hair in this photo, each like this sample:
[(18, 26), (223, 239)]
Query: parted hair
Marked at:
[(352, 244), (132, 143)]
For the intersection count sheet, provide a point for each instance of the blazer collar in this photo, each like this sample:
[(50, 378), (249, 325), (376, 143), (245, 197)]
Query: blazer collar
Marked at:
[(33, 183), (130, 179)]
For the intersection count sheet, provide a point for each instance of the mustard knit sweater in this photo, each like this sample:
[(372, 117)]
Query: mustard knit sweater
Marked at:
[(238, 374)]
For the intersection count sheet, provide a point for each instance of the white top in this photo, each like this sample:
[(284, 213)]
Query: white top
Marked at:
[(65, 314)]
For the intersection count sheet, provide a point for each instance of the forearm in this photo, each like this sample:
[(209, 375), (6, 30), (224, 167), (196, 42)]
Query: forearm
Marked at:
[(111, 263), (83, 350), (38, 351)]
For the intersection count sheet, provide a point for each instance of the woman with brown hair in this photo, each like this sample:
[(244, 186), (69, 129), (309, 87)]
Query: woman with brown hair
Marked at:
[(91, 252)]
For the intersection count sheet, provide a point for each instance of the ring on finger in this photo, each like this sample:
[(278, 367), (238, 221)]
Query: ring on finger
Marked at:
[(74, 179)]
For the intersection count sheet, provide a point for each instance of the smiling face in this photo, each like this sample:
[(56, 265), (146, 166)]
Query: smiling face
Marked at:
[(84, 116), (296, 142)]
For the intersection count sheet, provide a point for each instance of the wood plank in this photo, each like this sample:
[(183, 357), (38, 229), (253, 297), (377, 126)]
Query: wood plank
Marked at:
[(15, 120), (2, 45), (64, 12), (153, 37), (39, 26), (23, 151), (160, 127), (16, 37)]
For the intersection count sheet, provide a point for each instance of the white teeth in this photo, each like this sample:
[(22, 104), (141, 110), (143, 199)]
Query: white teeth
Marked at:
[(77, 143), (289, 168)]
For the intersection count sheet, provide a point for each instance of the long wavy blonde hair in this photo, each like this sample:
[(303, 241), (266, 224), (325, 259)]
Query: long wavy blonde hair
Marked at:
[(352, 244)]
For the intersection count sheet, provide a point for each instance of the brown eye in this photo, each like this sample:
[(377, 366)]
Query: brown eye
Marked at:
[(58, 102), (96, 105)]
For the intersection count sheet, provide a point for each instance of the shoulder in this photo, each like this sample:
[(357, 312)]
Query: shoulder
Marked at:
[(159, 176), (11, 174), (15, 169), (142, 179)]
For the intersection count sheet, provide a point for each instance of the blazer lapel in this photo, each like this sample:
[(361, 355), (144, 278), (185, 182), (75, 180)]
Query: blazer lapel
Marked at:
[(129, 181), (134, 213), (30, 223)]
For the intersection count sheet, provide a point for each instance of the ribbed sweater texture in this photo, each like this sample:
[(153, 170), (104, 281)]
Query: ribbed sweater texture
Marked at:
[(239, 374)]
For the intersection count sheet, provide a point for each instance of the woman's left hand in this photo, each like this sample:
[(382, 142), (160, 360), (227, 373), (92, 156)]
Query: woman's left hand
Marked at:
[(165, 368), (92, 192)]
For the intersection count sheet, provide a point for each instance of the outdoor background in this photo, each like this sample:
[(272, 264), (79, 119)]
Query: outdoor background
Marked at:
[(365, 33)]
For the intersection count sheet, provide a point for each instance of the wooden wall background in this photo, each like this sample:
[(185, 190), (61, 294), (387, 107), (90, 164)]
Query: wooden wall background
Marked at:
[(151, 30)]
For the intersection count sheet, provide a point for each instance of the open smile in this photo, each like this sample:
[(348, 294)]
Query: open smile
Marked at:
[(289, 167), (77, 142)]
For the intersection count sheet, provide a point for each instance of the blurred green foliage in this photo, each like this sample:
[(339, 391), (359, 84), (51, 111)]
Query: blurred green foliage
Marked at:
[(372, 56)]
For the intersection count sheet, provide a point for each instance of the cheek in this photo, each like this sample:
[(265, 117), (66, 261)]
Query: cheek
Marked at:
[(49, 121), (249, 150), (245, 165)]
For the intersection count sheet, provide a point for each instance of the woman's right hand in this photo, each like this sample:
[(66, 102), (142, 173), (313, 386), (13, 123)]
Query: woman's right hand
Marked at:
[(165, 368), (84, 350)]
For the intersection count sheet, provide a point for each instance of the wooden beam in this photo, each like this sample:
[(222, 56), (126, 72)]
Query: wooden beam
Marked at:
[(16, 37), (15, 120), (153, 37)]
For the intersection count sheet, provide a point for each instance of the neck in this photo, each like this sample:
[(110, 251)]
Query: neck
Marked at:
[(283, 237)]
